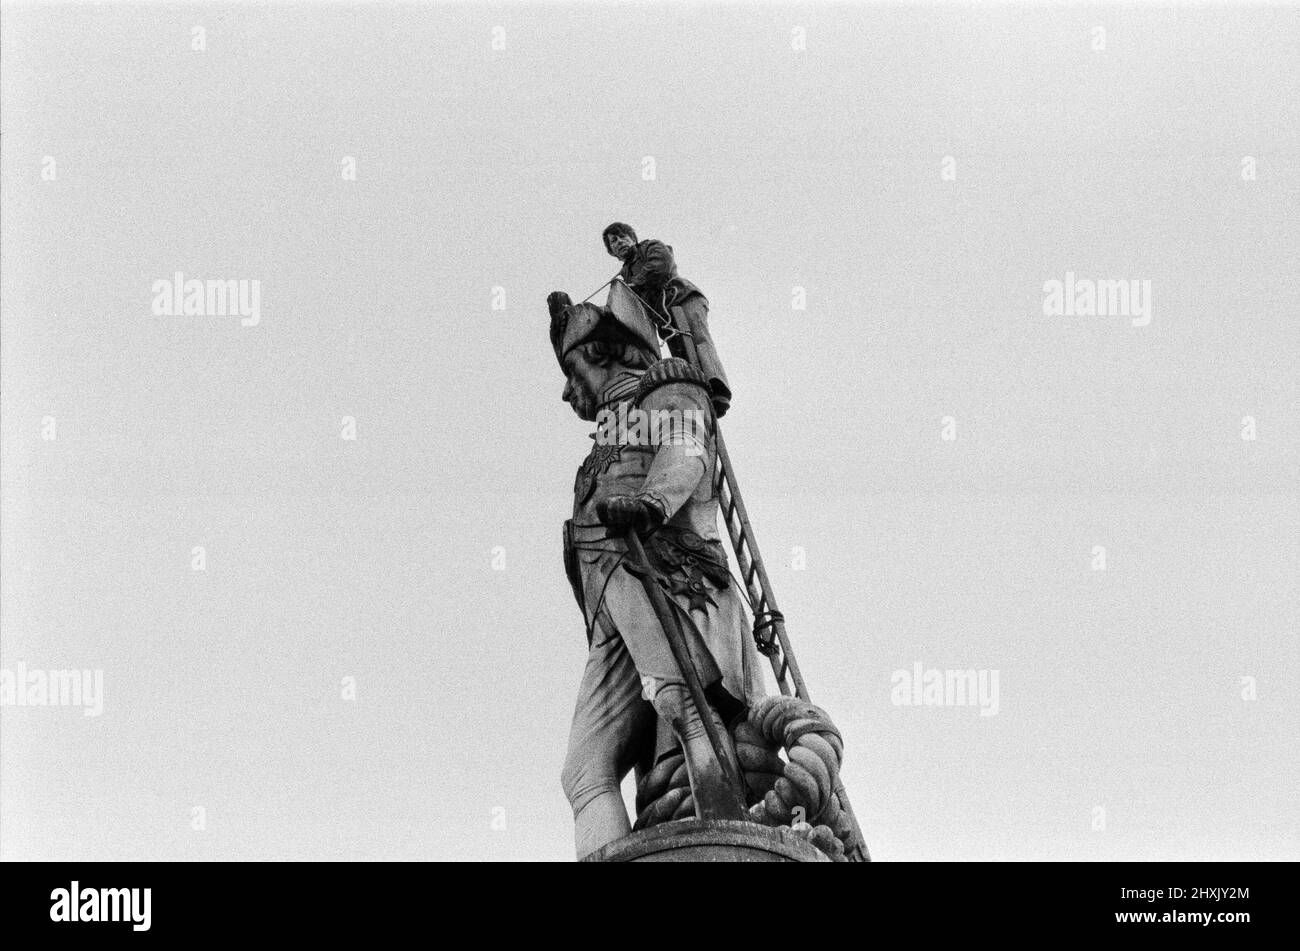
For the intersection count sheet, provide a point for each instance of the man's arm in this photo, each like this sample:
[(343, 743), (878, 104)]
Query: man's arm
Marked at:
[(653, 266)]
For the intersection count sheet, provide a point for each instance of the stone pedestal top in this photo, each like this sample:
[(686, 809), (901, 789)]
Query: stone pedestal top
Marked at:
[(713, 840)]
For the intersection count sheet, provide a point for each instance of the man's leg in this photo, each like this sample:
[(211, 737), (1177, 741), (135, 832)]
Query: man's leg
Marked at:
[(696, 312), (611, 724)]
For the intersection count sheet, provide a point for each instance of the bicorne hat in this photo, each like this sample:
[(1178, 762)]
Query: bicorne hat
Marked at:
[(622, 320)]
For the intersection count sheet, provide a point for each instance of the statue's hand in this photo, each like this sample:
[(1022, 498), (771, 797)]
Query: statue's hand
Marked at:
[(556, 301), (624, 513)]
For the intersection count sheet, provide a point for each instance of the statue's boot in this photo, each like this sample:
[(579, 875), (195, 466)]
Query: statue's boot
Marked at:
[(714, 796)]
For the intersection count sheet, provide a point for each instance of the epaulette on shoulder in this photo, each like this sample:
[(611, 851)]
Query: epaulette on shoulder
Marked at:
[(672, 370)]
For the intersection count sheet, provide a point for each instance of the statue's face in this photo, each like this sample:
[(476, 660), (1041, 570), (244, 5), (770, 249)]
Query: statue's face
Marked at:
[(584, 381), (620, 245)]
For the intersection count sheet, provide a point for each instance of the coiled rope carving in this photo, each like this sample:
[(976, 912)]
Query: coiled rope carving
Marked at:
[(798, 790)]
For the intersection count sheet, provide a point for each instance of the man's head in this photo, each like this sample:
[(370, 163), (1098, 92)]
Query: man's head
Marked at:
[(590, 367), (620, 240)]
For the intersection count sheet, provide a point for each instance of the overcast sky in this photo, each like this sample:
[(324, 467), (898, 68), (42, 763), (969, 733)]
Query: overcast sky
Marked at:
[(792, 147)]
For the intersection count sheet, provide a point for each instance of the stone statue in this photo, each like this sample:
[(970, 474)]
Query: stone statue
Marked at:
[(673, 685)]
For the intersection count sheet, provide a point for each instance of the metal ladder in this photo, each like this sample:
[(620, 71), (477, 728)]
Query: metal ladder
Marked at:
[(769, 623)]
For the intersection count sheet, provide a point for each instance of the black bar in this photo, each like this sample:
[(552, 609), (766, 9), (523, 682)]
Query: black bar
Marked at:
[(977, 903)]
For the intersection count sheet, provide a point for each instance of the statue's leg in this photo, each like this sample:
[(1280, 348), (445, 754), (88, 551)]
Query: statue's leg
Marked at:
[(662, 681), (726, 630), (612, 722), (714, 798)]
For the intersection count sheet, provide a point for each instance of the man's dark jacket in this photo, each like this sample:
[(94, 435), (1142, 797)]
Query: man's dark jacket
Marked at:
[(652, 273)]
